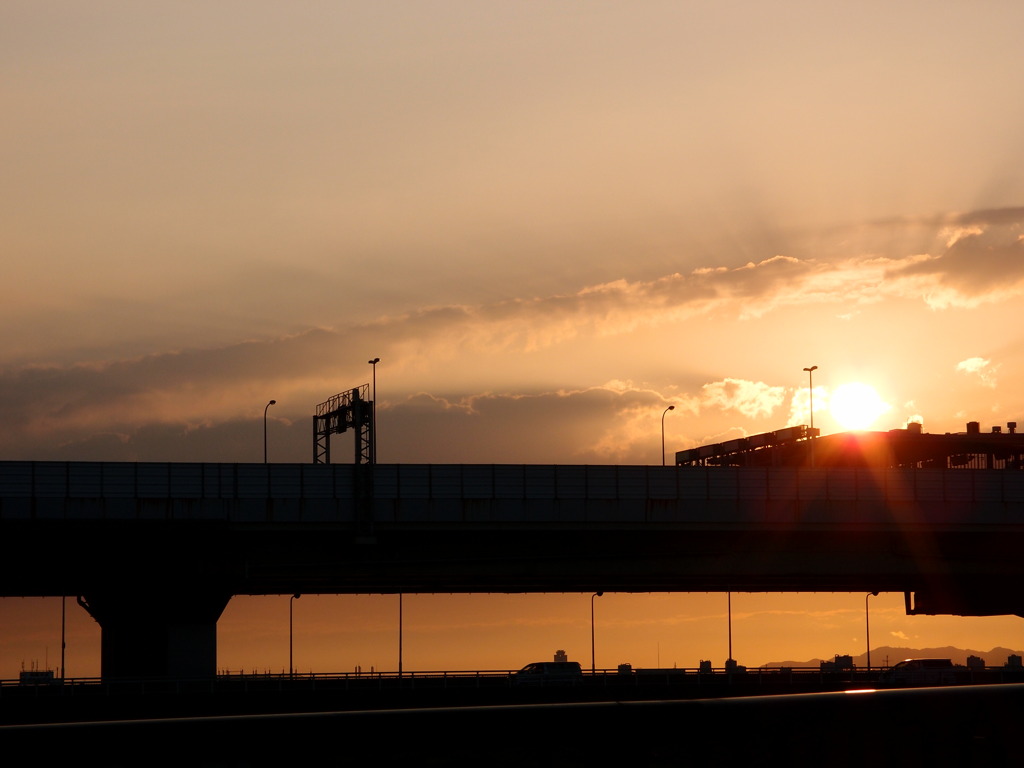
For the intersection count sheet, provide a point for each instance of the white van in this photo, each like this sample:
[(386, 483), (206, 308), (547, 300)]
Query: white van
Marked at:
[(549, 673)]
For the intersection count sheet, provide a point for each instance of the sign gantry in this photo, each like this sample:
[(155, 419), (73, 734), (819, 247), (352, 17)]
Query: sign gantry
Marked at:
[(350, 409)]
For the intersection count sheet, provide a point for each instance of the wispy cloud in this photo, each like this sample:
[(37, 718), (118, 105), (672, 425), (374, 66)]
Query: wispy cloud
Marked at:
[(980, 367)]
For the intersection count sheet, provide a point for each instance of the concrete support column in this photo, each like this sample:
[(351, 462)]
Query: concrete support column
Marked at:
[(157, 634)]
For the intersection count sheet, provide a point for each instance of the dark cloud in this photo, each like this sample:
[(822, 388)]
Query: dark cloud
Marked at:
[(976, 263), (1007, 217), (937, 222), (618, 423), (574, 427), (72, 393), (571, 427)]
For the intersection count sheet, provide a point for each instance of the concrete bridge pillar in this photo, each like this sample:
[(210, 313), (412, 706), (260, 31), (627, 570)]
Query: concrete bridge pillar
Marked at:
[(157, 634)]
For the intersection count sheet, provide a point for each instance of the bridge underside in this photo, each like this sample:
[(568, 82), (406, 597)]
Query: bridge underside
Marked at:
[(284, 559), (156, 551), (158, 607)]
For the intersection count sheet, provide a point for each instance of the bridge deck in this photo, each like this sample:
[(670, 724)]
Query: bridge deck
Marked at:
[(488, 494)]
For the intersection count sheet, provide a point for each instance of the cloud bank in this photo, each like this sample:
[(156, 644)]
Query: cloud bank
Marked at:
[(117, 402)]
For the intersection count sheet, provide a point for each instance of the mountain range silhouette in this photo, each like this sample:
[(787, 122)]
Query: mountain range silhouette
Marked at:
[(887, 655)]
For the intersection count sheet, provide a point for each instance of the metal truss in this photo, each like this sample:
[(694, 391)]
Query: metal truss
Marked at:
[(346, 410)]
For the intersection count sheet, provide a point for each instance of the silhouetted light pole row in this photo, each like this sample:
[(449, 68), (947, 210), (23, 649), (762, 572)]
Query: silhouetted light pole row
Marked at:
[(593, 644)]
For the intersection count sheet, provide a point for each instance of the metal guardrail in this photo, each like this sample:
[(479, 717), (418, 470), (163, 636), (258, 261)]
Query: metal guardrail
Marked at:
[(639, 676), (229, 677)]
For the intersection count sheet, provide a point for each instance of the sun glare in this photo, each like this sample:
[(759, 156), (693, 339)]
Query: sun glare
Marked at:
[(856, 405)]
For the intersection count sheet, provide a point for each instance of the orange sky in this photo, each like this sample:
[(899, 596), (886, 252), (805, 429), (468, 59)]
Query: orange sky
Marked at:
[(549, 220), (338, 633)]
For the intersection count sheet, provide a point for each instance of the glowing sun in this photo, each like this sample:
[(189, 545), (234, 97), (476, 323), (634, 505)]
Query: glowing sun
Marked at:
[(856, 405)]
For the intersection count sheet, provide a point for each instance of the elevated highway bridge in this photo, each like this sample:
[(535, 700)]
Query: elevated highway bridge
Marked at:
[(155, 551)]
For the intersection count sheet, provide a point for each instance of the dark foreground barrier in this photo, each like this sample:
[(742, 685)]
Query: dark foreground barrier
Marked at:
[(964, 726)]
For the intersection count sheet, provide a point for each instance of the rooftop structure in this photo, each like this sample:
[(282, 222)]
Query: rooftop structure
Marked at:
[(907, 448)]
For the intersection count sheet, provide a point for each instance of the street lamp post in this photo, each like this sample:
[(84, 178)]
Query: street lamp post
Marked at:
[(867, 625), (670, 408), (373, 411), (729, 612), (810, 393), (291, 634), (265, 409), (593, 663), (810, 389), (63, 632)]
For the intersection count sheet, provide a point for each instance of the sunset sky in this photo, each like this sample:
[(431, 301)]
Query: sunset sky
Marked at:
[(550, 220)]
